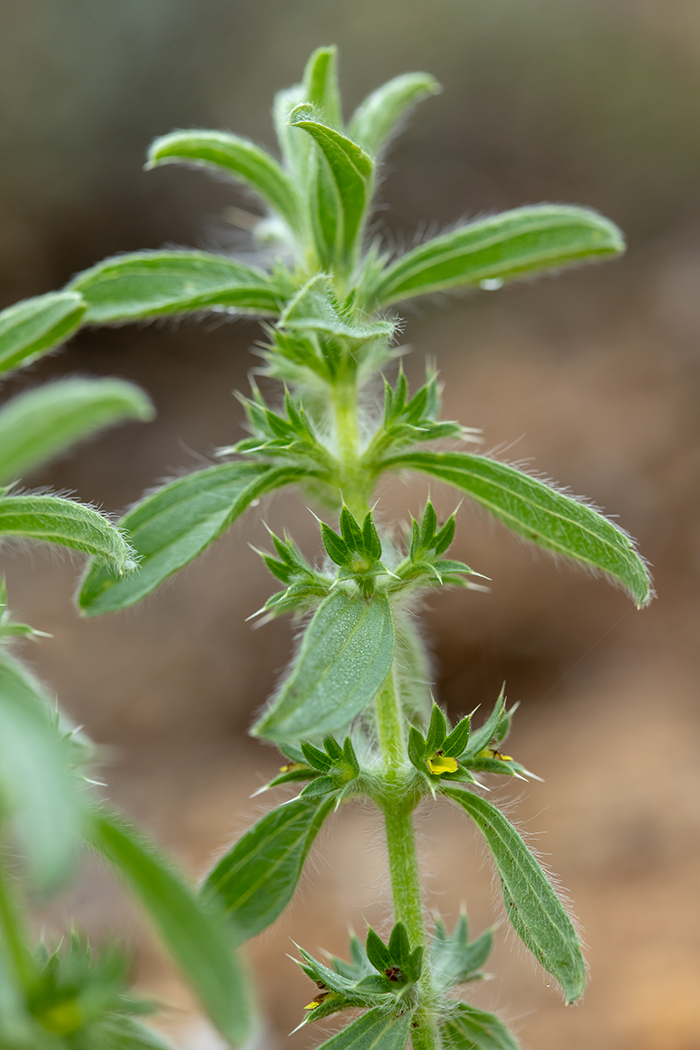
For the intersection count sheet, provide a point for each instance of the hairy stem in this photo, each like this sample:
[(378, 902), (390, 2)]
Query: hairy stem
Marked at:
[(352, 479), (398, 808)]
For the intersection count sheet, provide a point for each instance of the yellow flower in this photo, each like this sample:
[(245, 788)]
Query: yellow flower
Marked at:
[(493, 752), (439, 764)]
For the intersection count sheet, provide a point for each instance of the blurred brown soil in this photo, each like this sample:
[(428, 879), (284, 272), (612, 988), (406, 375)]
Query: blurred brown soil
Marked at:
[(602, 394)]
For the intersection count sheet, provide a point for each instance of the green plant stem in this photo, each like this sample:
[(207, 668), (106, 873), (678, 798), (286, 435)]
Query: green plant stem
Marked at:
[(13, 934), (398, 805), (352, 479)]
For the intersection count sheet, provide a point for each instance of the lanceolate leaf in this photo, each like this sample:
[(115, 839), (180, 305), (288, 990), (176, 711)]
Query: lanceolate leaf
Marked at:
[(45, 422), (192, 934), (255, 881), (35, 783), (150, 284), (540, 513), (236, 156), (56, 520), (321, 84), (346, 654), (351, 168), (533, 907), (30, 328), (376, 119), (523, 241), (172, 525), (295, 145), (470, 1029), (375, 1030)]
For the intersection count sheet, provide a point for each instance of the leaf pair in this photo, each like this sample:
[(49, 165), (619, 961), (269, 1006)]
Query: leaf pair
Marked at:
[(42, 423)]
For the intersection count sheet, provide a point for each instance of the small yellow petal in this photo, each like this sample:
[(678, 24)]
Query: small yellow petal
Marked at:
[(292, 767), (492, 752), (313, 1005), (443, 764)]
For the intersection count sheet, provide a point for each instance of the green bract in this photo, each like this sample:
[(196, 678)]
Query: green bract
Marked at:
[(353, 715)]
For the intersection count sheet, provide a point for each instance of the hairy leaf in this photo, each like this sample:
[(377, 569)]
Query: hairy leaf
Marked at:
[(236, 156), (352, 171), (345, 656), (376, 119), (254, 882), (540, 513), (375, 1030), (57, 520), (312, 308), (174, 524), (523, 241), (35, 782), (192, 934), (532, 905), (43, 423), (470, 1029), (295, 145), (149, 284), (30, 328), (321, 84)]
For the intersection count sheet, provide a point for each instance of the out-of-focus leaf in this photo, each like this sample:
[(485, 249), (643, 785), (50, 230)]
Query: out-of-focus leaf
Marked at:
[(43, 423), (236, 156), (454, 959), (254, 882), (346, 654), (375, 1030), (539, 513), (127, 1034), (15, 1024), (470, 1029), (532, 905), (149, 284), (36, 785), (30, 328), (378, 117), (321, 84), (295, 145), (192, 933), (56, 520), (174, 524), (518, 242)]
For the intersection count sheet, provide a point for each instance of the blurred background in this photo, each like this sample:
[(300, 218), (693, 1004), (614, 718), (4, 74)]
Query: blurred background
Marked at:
[(592, 377)]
